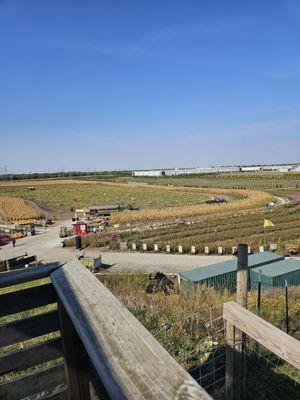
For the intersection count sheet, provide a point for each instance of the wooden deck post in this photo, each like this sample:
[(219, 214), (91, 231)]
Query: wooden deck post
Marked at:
[(75, 359), (229, 376), (235, 366), (242, 275)]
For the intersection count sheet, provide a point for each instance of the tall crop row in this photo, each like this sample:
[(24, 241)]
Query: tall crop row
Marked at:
[(253, 199), (13, 209)]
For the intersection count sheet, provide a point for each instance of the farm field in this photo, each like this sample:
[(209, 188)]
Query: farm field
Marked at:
[(244, 199), (155, 202), (226, 231), (14, 209), (266, 181), (68, 196)]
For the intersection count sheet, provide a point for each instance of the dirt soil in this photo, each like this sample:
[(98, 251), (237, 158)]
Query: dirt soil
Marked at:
[(55, 214)]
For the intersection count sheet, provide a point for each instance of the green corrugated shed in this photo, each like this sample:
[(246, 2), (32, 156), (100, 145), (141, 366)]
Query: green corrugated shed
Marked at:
[(223, 275), (276, 274)]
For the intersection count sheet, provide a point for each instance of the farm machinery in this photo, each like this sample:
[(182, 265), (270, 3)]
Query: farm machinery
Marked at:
[(216, 200)]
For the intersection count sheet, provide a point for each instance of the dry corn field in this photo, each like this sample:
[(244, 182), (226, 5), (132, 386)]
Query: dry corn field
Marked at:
[(13, 209), (250, 199)]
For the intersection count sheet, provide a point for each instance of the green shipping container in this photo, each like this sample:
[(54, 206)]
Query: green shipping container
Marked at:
[(223, 275), (275, 275)]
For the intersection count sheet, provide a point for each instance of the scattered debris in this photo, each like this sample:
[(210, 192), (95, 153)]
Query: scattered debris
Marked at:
[(160, 282)]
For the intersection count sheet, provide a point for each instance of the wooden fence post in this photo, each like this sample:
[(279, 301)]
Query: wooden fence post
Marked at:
[(230, 350), (235, 366), (242, 275), (75, 358)]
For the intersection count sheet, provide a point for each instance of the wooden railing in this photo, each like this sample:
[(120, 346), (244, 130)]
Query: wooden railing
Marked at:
[(17, 262), (107, 353), (240, 322), (19, 375)]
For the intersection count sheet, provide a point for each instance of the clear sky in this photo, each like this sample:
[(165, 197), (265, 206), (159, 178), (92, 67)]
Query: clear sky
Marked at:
[(142, 84)]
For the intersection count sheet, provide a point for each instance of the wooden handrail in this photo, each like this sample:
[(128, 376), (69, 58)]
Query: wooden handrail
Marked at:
[(272, 338), (128, 360), (23, 275)]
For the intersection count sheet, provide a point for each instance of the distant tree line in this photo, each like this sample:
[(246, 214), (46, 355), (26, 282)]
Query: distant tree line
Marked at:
[(63, 174)]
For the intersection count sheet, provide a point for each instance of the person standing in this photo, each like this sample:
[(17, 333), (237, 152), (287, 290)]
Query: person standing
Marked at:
[(13, 241)]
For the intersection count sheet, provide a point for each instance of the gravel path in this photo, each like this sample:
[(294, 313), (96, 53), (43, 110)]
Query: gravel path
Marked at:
[(46, 245)]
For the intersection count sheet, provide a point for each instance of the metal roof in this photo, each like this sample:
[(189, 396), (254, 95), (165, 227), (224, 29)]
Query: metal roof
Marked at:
[(279, 268), (201, 273)]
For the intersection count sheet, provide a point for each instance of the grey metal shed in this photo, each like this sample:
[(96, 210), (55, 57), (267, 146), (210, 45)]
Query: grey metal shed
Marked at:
[(223, 275), (274, 275)]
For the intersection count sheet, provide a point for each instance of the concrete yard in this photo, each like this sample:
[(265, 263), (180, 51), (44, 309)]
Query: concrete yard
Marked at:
[(46, 245)]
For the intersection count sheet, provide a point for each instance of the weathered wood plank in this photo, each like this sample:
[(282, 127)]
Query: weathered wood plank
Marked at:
[(29, 274), (128, 360), (230, 346), (98, 390), (239, 379), (75, 359), (30, 356), (21, 262), (27, 328), (277, 341), (26, 299), (57, 395), (36, 382), (242, 275)]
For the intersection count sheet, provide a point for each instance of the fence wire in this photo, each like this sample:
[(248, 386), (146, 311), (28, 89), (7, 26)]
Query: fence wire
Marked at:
[(206, 362), (266, 375)]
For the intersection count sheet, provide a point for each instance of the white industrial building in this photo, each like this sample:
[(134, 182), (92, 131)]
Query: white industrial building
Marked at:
[(210, 170)]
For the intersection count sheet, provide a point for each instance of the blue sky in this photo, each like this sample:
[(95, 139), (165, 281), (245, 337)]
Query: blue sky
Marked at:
[(142, 84)]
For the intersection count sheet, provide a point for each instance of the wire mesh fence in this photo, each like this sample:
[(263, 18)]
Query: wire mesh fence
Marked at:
[(267, 376), (279, 306), (206, 359)]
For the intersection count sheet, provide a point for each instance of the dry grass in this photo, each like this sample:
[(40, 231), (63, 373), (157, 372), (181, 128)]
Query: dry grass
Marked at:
[(250, 199), (187, 317), (41, 182)]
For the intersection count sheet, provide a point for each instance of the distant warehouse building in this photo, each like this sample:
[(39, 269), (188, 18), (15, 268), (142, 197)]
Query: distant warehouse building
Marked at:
[(274, 275), (223, 275), (154, 172)]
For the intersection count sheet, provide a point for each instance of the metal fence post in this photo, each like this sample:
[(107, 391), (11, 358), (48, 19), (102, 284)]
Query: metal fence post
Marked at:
[(286, 307)]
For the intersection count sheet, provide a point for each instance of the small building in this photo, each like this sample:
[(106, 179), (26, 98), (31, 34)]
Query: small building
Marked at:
[(154, 172), (223, 275), (275, 275)]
